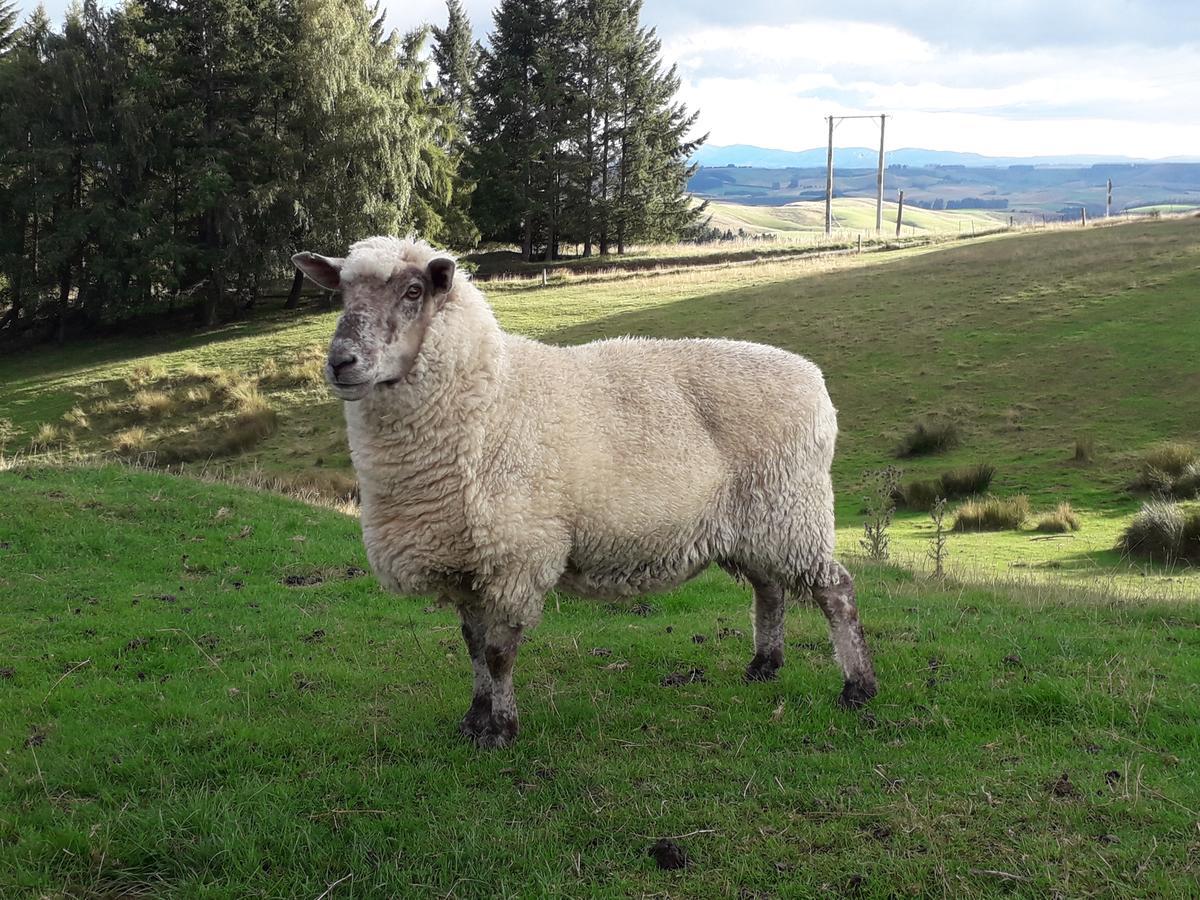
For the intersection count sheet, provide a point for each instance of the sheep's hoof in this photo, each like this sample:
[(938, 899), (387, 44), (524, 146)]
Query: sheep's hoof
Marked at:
[(500, 731), (856, 694), (477, 719), (764, 667)]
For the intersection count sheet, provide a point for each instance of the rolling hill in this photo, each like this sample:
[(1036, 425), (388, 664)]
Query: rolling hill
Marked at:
[(850, 214), (1027, 341)]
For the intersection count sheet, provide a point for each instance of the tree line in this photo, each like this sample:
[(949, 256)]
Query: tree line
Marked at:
[(170, 155)]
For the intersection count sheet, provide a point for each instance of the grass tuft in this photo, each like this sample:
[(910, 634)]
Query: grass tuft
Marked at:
[(1170, 471), (1163, 533), (303, 368), (143, 374), (992, 514), (131, 440), (1060, 521), (1085, 449), (152, 404), (49, 435), (929, 436), (954, 484), (76, 417)]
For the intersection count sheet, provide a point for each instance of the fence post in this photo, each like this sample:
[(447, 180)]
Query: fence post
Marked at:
[(1083, 215), (543, 277), (899, 213)]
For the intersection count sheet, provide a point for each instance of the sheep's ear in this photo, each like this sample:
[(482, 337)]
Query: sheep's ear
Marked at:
[(441, 274), (323, 271)]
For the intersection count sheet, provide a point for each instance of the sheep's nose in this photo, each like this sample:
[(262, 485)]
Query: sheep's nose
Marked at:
[(339, 360)]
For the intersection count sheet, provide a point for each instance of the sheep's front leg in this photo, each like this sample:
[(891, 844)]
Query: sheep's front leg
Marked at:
[(500, 654), (474, 632)]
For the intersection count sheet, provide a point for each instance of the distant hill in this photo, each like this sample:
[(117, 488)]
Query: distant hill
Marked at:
[(1050, 190), (865, 157)]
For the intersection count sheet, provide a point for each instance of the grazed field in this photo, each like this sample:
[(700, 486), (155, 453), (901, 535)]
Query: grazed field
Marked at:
[(852, 215), (1026, 341), (202, 694)]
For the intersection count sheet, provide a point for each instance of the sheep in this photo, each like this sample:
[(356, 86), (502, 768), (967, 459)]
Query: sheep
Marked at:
[(494, 468)]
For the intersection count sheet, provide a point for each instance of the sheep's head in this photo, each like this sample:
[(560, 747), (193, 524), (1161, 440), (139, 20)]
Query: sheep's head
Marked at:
[(384, 318)]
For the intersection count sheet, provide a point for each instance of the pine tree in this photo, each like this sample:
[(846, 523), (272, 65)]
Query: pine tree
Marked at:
[(456, 55), (509, 135), (9, 19)]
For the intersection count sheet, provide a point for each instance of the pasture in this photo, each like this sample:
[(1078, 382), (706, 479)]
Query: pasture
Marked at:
[(203, 693), (851, 215)]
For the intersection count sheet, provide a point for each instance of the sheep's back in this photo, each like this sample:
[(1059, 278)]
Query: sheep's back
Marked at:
[(652, 445)]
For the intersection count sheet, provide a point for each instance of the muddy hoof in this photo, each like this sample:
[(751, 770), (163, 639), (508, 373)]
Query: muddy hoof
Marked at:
[(500, 731), (856, 694), (477, 719), (763, 668)]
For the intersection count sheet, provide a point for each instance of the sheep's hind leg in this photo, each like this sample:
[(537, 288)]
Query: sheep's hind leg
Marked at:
[(474, 632), (500, 654), (768, 630), (833, 591)]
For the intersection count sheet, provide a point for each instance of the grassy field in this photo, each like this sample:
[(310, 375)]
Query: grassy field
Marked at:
[(1026, 341), (852, 215), (202, 694)]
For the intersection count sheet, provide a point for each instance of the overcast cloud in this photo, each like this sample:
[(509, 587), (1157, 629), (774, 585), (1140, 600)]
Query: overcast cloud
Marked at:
[(1005, 78)]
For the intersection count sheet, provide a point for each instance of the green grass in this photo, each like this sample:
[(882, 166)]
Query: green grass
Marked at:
[(1026, 341), (177, 721)]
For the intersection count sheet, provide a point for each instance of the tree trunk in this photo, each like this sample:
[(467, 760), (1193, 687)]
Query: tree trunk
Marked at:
[(64, 295), (604, 190), (293, 299)]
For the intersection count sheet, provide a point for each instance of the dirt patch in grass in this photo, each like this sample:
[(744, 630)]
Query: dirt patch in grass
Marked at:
[(667, 854), (687, 676)]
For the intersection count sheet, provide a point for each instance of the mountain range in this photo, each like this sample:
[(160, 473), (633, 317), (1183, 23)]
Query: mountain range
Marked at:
[(866, 157)]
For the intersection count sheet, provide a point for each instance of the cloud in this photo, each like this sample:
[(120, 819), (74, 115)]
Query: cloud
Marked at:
[(774, 86)]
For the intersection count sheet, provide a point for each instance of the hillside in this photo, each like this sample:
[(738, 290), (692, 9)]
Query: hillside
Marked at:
[(850, 214), (1026, 341), (1040, 190), (202, 694)]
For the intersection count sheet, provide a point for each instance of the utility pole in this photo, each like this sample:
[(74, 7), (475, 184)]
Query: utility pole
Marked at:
[(829, 182), (879, 179), (833, 120)]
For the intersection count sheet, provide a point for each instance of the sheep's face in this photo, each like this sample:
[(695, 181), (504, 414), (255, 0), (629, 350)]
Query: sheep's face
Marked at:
[(383, 322)]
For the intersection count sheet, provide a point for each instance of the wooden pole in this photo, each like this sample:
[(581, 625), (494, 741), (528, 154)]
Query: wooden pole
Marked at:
[(1083, 215), (879, 180), (899, 212), (829, 183), (1108, 201)]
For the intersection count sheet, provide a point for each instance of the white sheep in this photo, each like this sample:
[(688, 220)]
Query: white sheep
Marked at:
[(494, 468)]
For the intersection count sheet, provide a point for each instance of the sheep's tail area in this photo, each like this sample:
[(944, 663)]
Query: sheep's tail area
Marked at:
[(812, 523)]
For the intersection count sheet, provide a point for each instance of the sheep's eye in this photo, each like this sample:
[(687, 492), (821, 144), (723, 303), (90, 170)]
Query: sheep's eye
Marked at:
[(413, 292)]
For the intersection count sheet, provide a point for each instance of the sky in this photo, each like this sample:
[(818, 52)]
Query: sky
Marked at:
[(1017, 78)]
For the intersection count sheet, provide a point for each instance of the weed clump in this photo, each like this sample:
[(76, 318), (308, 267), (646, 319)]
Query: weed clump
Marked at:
[(152, 404), (928, 436), (1162, 532), (1170, 471), (992, 514), (880, 507), (303, 368), (130, 440), (49, 435), (954, 484), (1060, 521), (1085, 449)]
